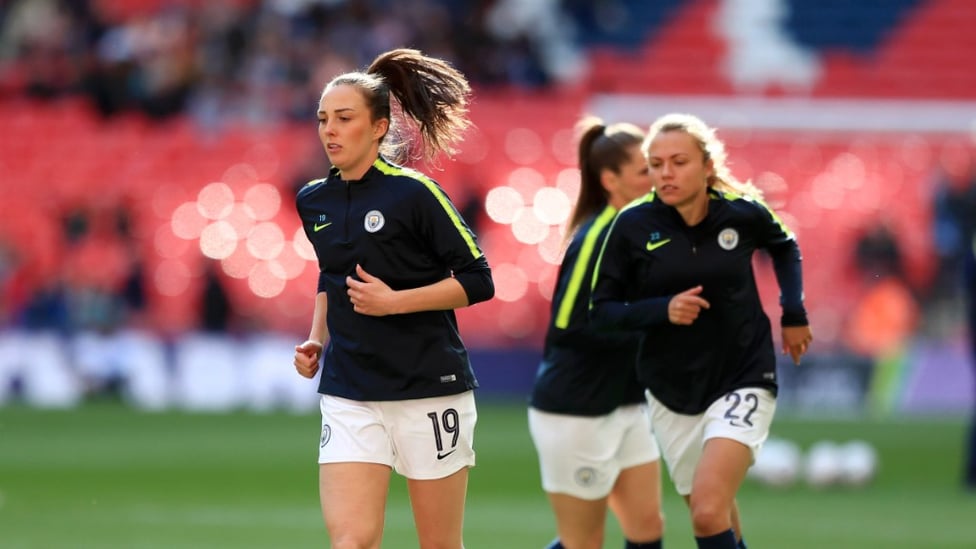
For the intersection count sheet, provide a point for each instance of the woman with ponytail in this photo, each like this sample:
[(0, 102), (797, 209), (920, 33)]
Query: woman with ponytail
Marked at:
[(587, 415), (395, 259)]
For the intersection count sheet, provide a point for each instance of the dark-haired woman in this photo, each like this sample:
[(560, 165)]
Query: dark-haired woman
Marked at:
[(587, 414), (395, 260)]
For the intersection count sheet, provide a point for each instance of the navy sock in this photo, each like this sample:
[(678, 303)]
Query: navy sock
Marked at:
[(723, 540), (556, 544), (656, 544), (742, 544)]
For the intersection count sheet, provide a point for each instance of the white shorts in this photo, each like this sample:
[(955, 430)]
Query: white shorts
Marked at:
[(582, 456), (744, 415), (424, 438)]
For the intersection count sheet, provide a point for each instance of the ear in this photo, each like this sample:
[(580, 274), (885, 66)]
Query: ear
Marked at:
[(380, 127), (709, 169), (608, 180)]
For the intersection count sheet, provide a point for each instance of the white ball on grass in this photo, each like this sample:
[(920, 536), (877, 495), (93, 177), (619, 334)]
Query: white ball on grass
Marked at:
[(778, 463), (859, 463), (823, 466)]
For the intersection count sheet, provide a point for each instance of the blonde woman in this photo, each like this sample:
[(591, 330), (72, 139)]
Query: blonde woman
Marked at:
[(678, 267)]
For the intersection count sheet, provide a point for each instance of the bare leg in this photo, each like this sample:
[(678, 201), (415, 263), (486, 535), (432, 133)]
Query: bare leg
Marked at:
[(580, 523), (353, 498), (719, 474), (636, 501), (438, 510)]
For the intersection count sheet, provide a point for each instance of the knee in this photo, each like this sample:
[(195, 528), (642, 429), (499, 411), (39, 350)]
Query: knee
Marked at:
[(644, 526), (709, 516), (353, 542), (652, 525)]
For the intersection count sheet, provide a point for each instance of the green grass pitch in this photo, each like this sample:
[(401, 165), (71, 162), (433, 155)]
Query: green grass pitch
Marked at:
[(104, 476)]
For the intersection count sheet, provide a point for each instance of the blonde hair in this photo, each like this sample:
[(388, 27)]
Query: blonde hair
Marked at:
[(711, 147)]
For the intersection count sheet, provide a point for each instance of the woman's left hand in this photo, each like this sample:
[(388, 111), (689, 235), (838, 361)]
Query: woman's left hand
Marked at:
[(796, 341), (370, 295)]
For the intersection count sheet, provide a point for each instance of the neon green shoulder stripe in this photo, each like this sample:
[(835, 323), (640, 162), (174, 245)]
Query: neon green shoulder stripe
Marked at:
[(579, 269), (649, 197), (438, 194), (779, 221)]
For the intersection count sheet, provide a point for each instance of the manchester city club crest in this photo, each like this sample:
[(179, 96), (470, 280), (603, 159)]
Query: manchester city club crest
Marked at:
[(585, 476), (728, 239), (374, 221)]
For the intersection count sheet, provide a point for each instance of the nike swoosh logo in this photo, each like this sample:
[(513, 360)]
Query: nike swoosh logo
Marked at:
[(444, 455), (653, 246), (318, 227)]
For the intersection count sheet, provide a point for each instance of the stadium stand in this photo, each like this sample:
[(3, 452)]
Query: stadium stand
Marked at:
[(60, 156)]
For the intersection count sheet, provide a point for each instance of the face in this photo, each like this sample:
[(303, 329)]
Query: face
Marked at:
[(678, 171), (631, 181), (350, 138)]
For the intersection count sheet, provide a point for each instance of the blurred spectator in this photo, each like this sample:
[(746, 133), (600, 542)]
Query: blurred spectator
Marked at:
[(47, 42), (954, 231), (9, 265), (969, 270), (883, 319), (215, 304), (886, 313), (970, 288), (47, 309), (261, 61), (877, 254), (954, 215)]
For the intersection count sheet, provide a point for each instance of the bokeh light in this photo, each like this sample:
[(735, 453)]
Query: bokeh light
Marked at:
[(527, 181), (551, 205), (239, 263), (519, 319), (523, 146), (218, 240), (266, 279), (172, 277), (265, 241), (215, 200), (568, 181), (553, 246), (292, 264), (167, 244), (774, 189), (187, 222), (262, 201), (511, 282), (529, 229), (240, 177), (503, 204), (264, 158), (564, 146), (302, 246), (239, 219)]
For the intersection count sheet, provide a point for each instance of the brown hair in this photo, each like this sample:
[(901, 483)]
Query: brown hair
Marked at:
[(601, 147), (711, 147), (431, 96)]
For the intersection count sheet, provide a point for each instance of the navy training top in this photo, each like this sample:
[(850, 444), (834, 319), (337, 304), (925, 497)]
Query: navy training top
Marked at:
[(401, 227)]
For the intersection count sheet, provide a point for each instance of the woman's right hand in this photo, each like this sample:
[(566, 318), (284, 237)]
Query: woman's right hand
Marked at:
[(683, 308), (307, 357)]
